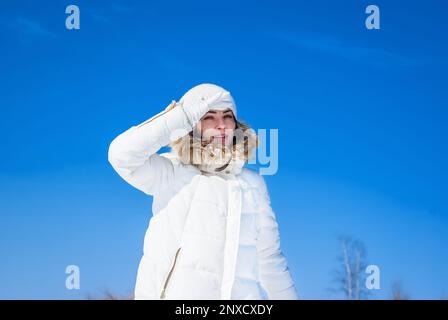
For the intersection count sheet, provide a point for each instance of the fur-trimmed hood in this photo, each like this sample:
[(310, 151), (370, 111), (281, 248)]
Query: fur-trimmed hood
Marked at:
[(212, 158)]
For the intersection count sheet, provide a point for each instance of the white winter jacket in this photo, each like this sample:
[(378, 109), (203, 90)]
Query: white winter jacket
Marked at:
[(210, 237)]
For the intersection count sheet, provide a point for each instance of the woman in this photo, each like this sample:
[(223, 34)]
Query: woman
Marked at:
[(213, 234)]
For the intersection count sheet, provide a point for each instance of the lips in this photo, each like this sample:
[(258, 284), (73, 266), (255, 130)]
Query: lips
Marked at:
[(222, 138)]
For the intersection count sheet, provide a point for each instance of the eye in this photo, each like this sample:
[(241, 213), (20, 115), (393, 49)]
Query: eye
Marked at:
[(228, 116), (208, 117)]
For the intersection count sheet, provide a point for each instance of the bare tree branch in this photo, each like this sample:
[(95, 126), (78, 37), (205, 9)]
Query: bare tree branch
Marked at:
[(350, 275)]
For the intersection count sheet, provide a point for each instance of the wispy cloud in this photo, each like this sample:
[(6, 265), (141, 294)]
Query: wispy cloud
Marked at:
[(28, 26), (121, 7), (336, 47), (109, 13), (99, 17)]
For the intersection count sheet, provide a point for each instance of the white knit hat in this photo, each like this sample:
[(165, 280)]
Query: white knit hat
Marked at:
[(205, 91)]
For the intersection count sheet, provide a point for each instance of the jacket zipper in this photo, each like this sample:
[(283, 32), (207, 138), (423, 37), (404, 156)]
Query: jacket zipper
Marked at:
[(162, 294), (170, 106)]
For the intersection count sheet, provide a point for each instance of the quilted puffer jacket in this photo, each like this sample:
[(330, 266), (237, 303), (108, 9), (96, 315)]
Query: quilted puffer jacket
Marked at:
[(210, 237)]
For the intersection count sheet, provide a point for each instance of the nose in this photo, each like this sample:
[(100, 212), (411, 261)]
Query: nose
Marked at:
[(220, 124)]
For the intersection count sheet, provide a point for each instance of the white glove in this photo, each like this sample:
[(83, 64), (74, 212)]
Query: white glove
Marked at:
[(196, 110)]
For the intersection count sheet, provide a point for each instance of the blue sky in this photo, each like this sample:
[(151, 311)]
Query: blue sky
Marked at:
[(361, 116)]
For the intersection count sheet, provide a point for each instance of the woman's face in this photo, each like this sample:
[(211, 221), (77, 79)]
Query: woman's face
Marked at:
[(217, 126)]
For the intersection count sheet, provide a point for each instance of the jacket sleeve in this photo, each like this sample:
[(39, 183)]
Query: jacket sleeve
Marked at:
[(133, 155), (275, 276)]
